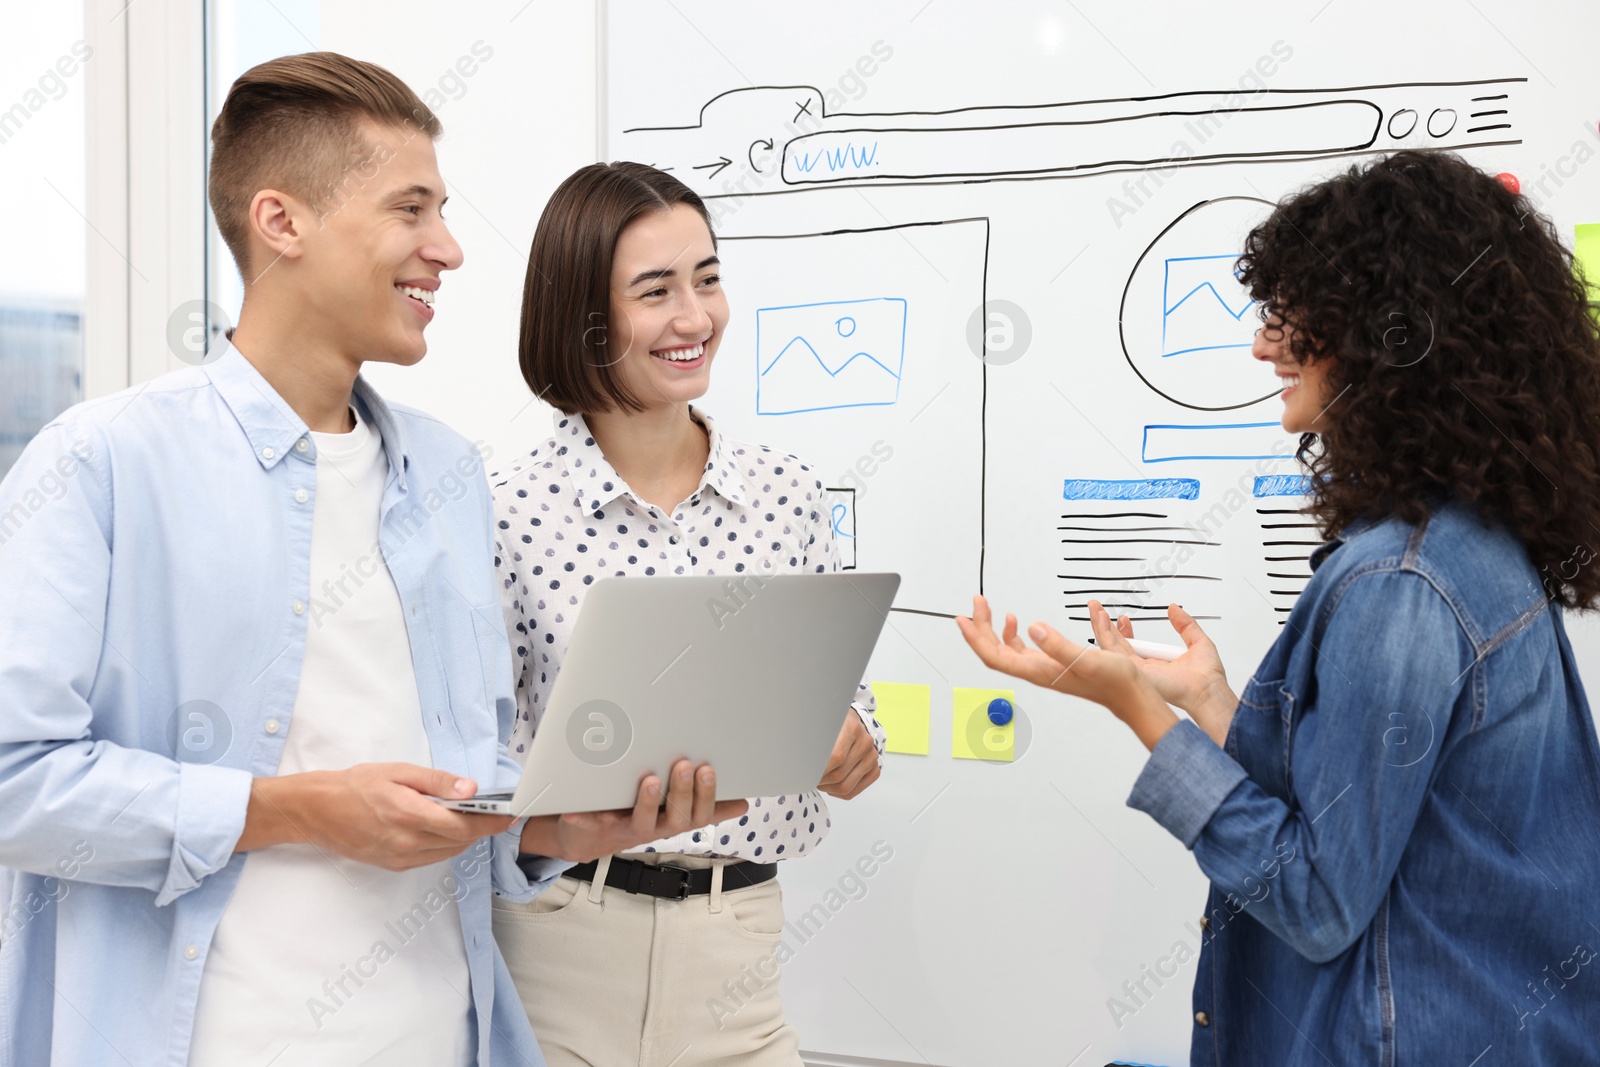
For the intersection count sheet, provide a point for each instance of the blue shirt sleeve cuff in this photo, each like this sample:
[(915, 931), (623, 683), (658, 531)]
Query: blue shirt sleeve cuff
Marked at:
[(211, 812), (510, 880), (1185, 781), (540, 871)]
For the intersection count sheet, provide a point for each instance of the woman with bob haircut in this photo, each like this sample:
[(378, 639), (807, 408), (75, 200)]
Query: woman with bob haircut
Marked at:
[(1400, 814), (658, 950)]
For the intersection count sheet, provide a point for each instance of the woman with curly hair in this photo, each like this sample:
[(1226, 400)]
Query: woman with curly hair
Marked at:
[(1400, 814)]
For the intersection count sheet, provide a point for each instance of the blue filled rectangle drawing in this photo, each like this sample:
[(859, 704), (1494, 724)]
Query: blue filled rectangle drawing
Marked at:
[(1203, 306), (838, 354)]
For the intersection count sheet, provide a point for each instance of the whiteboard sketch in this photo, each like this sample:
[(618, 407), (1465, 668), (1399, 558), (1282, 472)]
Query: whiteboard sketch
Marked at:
[(990, 297)]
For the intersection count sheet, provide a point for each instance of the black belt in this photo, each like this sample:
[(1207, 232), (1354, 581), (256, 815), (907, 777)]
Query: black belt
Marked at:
[(672, 883)]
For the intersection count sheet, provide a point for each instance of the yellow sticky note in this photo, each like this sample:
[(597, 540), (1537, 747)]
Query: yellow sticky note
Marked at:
[(972, 735), (1586, 250), (903, 712)]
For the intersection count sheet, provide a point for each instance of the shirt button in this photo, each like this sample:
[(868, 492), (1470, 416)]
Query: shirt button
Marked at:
[(301, 445), (190, 953), (672, 540), (301, 496), (272, 726), (1202, 1019), (267, 453), (1205, 923), (299, 607)]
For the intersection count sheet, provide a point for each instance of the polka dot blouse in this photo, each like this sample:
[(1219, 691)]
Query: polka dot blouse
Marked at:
[(564, 519)]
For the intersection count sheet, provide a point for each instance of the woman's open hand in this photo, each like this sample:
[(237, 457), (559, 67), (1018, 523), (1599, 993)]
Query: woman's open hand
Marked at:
[(1195, 681), (1067, 667)]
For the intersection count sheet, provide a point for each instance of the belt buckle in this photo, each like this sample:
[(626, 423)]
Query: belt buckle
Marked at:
[(683, 881)]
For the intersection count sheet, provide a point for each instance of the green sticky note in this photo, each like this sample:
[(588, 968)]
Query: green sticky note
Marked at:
[(903, 711), (1586, 251), (972, 735)]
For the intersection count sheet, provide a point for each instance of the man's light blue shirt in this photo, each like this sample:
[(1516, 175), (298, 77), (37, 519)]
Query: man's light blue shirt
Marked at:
[(155, 558)]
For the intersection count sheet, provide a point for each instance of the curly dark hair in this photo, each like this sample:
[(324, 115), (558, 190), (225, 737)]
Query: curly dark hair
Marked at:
[(1461, 352)]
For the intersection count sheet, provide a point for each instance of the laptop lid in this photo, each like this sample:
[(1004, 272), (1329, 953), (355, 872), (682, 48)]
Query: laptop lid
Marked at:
[(752, 674)]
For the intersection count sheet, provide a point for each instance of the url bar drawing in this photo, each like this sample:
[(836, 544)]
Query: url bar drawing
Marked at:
[(774, 139)]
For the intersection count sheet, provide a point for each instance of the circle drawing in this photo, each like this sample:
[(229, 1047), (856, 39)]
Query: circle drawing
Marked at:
[(1185, 323)]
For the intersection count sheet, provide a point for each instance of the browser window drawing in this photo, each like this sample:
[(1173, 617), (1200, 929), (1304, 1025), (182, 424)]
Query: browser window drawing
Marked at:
[(1204, 308), (838, 354)]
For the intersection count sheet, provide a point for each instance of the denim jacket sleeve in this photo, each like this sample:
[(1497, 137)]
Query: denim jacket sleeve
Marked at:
[(152, 821), (1313, 868)]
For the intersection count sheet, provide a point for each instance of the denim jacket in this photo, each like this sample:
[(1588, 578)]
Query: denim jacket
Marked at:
[(1402, 832)]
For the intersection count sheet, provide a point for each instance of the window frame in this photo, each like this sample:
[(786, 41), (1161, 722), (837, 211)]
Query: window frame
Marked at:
[(146, 185)]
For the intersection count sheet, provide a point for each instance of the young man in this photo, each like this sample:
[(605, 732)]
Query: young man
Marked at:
[(249, 627)]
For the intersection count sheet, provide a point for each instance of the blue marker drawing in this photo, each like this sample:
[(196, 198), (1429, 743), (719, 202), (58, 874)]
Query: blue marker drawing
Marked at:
[(847, 158), (1282, 485), (1164, 443), (1131, 489), (1203, 306), (842, 517), (829, 355)]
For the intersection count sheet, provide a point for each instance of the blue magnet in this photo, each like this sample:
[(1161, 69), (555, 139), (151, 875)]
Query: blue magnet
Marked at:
[(1000, 711)]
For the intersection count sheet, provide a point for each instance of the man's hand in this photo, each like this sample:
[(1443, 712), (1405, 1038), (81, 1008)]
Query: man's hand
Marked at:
[(374, 813), (584, 836), (854, 763)]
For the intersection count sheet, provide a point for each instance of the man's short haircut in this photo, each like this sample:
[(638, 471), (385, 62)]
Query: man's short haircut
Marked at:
[(294, 124), (566, 356)]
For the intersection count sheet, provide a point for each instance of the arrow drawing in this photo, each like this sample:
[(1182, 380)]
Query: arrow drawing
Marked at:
[(750, 153), (722, 161)]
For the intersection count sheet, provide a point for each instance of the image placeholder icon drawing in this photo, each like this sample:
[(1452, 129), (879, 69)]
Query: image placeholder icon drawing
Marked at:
[(838, 354), (1204, 308)]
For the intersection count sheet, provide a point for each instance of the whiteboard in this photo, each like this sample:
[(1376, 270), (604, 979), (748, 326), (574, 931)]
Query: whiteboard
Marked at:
[(980, 266)]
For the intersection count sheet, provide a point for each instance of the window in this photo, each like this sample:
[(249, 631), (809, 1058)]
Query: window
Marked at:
[(44, 177)]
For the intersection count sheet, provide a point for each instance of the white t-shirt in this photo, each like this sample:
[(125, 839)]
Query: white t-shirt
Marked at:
[(320, 960)]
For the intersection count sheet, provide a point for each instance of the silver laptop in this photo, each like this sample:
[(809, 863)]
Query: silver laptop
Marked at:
[(751, 674)]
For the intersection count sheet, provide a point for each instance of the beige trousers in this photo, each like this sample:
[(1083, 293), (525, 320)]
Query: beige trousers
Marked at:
[(611, 978)]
